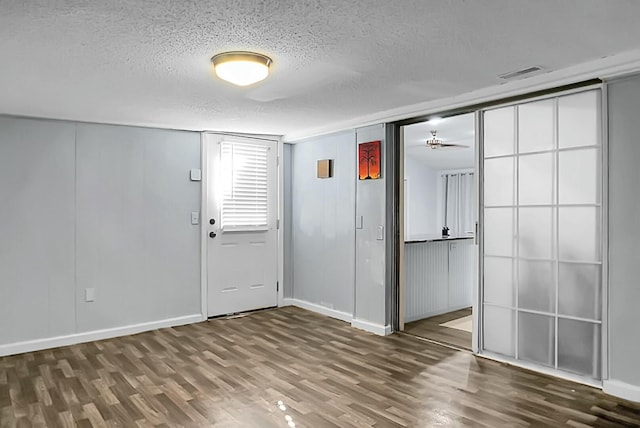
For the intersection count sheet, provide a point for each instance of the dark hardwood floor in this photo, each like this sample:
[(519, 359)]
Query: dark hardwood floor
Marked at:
[(430, 328), (235, 372)]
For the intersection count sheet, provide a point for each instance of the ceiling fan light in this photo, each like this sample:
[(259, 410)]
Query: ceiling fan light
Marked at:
[(241, 68), (434, 142)]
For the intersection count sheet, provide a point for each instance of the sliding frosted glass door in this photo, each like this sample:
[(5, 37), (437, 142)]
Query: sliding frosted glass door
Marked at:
[(542, 241)]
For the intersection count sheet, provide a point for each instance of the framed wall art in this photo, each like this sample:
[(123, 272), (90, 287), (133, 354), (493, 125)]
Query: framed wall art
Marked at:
[(369, 160)]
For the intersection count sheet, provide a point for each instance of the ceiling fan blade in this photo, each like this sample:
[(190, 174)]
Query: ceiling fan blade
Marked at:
[(452, 145), (446, 146)]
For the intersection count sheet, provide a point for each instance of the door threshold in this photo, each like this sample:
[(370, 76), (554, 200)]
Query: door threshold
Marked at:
[(437, 342), (235, 315)]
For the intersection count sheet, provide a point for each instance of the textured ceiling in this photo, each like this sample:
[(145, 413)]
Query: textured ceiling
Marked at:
[(453, 130), (147, 62)]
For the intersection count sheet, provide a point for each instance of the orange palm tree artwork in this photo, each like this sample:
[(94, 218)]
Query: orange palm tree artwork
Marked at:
[(369, 160)]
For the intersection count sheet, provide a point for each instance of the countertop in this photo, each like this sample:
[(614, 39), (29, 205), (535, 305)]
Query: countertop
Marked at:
[(434, 238)]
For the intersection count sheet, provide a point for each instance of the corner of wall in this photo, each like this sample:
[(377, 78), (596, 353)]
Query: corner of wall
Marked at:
[(379, 329), (323, 310), (621, 389), (371, 281)]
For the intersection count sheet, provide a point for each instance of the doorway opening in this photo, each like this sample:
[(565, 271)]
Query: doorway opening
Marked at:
[(539, 278), (439, 229)]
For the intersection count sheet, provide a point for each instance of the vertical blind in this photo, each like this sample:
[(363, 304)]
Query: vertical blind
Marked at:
[(244, 177), (458, 203)]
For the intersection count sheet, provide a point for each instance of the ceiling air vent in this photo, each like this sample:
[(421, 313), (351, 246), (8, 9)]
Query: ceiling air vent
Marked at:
[(521, 74)]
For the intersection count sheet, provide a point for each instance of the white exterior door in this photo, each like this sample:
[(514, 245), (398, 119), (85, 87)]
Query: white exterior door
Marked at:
[(241, 224)]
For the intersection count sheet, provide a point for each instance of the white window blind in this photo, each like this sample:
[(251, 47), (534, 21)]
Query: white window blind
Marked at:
[(244, 204)]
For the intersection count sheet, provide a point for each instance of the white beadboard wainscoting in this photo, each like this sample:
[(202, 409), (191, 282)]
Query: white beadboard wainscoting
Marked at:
[(438, 277)]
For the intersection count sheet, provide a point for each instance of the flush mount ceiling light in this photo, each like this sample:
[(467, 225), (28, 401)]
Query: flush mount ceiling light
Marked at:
[(241, 68)]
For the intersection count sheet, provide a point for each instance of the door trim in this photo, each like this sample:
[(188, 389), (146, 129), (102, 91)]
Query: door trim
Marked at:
[(400, 202), (204, 169), (604, 159), (280, 220), (478, 249), (204, 215)]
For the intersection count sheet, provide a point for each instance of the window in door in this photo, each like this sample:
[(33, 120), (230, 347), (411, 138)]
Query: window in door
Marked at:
[(244, 197)]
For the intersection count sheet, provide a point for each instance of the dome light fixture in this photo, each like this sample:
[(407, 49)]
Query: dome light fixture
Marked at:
[(241, 68)]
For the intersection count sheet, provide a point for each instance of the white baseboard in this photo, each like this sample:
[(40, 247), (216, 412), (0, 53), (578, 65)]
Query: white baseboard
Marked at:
[(90, 336), (541, 369), (380, 330), (621, 389), (313, 307)]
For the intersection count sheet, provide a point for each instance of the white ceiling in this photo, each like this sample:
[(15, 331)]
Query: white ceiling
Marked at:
[(452, 130), (147, 62)]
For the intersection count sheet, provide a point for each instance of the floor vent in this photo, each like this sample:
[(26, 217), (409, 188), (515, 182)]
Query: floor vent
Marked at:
[(521, 74)]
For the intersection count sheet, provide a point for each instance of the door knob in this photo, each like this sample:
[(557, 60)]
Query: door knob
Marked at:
[(212, 234)]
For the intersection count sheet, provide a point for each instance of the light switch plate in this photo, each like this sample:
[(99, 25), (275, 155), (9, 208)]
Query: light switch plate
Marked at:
[(89, 294), (359, 222), (196, 175), (195, 217), (380, 236)]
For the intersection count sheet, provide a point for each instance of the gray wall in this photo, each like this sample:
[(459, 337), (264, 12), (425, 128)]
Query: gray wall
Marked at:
[(421, 200), (134, 233), (323, 222), (370, 252), (624, 230), (95, 206), (37, 230)]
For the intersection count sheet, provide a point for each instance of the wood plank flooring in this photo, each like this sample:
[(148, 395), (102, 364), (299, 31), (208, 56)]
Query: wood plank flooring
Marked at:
[(236, 372), (430, 328)]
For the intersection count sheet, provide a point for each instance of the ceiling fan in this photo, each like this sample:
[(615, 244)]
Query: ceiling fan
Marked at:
[(436, 143)]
